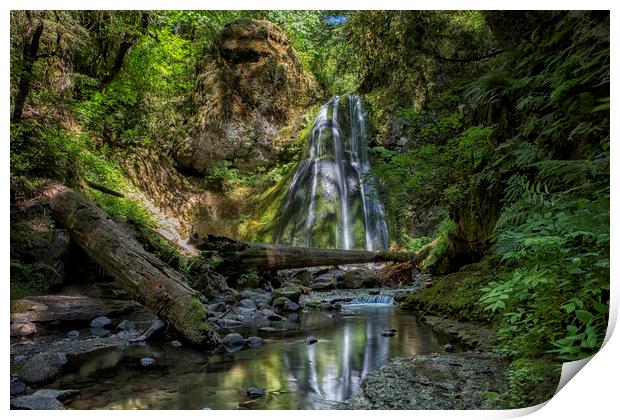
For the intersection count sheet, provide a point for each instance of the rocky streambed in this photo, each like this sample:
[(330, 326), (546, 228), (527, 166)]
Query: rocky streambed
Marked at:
[(291, 347)]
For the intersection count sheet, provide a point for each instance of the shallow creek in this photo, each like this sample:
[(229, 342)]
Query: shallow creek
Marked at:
[(294, 374)]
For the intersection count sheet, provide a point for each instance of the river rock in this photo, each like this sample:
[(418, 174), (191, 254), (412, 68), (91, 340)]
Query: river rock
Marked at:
[(176, 343), (20, 359), (283, 304), (247, 304), (233, 342), (61, 395), (72, 335), (388, 333), (23, 329), (323, 282), (217, 307), (147, 361), (311, 340), (18, 388), (254, 341), (254, 392), (290, 292), (100, 322), (271, 315), (356, 279), (303, 277), (259, 297), (43, 367), (33, 402), (432, 382)]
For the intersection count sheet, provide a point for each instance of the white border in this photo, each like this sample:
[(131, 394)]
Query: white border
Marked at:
[(591, 395)]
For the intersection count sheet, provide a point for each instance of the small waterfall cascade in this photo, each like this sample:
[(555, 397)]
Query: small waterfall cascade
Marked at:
[(382, 299), (330, 202)]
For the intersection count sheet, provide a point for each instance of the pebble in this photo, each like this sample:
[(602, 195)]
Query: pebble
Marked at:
[(100, 322), (176, 343), (19, 359), (72, 334), (254, 392), (147, 361)]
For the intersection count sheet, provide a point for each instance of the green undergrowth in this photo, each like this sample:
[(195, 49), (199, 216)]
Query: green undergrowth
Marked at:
[(453, 295)]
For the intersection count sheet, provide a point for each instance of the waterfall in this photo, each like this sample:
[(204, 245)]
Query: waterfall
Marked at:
[(330, 203), (383, 299)]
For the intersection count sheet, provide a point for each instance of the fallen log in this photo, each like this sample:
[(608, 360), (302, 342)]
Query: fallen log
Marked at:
[(239, 256), (146, 278)]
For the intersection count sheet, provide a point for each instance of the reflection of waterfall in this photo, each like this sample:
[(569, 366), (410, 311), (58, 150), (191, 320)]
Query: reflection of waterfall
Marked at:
[(329, 203)]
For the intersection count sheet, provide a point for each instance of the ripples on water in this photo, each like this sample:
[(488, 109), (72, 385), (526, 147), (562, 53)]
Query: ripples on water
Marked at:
[(296, 375)]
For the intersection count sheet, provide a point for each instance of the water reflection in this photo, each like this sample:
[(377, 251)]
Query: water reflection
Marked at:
[(296, 375)]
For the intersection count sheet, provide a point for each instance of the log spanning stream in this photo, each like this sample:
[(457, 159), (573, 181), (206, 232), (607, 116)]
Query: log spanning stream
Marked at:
[(330, 203), (294, 374)]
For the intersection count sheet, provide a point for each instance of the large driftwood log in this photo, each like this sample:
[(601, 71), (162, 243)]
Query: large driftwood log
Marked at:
[(238, 256), (146, 278)]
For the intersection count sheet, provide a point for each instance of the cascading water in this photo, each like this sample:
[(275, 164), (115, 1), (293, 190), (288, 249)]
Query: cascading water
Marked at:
[(330, 203)]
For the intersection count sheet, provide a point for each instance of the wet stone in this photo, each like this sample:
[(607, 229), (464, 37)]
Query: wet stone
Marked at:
[(311, 340), (32, 402), (72, 335), (388, 333), (147, 361), (18, 388), (254, 341), (100, 322), (254, 392), (176, 343)]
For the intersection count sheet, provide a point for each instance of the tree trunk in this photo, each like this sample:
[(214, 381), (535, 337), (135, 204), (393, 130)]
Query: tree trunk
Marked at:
[(238, 256), (146, 278), (29, 56)]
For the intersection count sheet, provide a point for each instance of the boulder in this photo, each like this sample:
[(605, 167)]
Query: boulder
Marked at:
[(247, 304), (250, 87), (18, 388), (34, 402), (356, 279), (100, 322), (271, 315), (147, 361), (311, 340), (303, 277), (43, 367), (217, 307), (290, 292), (60, 395), (23, 329), (325, 281), (283, 304)]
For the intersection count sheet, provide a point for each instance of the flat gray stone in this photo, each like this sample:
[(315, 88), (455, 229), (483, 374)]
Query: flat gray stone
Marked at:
[(32, 402)]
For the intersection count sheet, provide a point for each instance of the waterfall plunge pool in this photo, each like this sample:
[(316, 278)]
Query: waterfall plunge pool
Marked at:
[(294, 374)]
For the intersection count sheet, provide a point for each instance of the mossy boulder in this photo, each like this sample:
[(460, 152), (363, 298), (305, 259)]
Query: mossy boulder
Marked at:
[(290, 292), (249, 88)]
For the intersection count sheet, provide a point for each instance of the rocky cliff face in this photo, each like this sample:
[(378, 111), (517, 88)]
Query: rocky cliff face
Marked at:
[(250, 87)]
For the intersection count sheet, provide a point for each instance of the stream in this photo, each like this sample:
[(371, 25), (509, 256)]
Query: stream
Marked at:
[(294, 374)]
